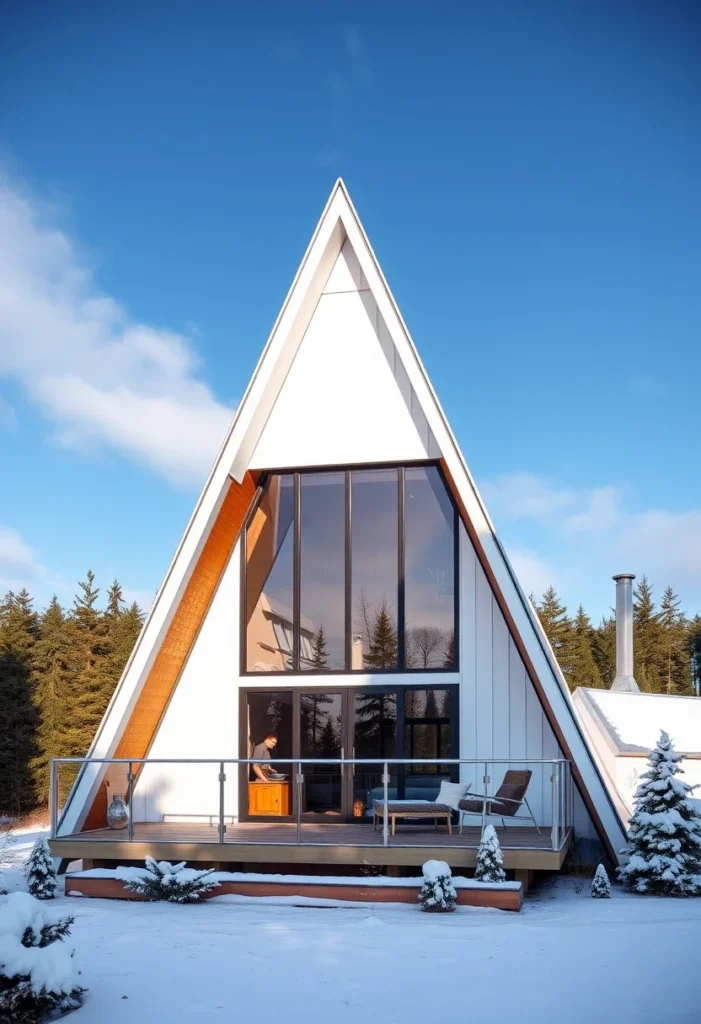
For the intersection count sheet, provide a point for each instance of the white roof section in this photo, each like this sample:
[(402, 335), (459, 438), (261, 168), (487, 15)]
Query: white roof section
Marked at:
[(339, 262), (632, 721)]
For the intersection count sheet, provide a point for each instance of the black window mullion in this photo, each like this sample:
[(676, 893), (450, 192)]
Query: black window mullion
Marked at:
[(401, 660), (399, 741), (348, 581), (297, 575)]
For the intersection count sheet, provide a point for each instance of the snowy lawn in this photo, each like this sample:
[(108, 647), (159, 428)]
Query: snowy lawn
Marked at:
[(631, 958)]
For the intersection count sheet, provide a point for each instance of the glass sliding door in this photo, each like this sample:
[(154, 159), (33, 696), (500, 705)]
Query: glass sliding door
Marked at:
[(373, 723), (269, 734), (321, 724)]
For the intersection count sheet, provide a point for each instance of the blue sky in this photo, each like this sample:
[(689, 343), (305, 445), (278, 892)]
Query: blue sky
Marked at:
[(529, 175)]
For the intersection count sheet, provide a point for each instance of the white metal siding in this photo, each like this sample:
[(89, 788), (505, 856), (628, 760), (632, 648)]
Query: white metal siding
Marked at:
[(347, 397)]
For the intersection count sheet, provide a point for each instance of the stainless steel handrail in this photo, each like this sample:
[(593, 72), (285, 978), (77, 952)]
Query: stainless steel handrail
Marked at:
[(560, 780)]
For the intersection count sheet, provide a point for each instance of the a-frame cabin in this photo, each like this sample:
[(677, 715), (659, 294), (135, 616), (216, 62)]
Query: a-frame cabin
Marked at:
[(339, 589)]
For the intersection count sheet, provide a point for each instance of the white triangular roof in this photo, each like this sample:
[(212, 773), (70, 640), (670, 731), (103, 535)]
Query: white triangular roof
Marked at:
[(339, 259)]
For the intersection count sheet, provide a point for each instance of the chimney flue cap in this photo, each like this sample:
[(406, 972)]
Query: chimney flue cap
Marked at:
[(624, 576)]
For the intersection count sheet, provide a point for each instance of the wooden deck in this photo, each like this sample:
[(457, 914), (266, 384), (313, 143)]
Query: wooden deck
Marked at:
[(321, 843)]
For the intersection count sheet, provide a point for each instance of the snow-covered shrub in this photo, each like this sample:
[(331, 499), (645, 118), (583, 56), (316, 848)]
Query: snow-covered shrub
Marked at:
[(438, 893), (40, 871), (490, 860), (38, 976), (664, 841), (160, 880), (601, 887)]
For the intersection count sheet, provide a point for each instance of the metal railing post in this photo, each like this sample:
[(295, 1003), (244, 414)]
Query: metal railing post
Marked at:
[(570, 796), (485, 780), (556, 806), (53, 798), (385, 802), (130, 814), (300, 783), (222, 780)]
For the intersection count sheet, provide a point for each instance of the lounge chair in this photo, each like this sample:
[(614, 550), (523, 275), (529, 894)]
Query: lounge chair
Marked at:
[(505, 803)]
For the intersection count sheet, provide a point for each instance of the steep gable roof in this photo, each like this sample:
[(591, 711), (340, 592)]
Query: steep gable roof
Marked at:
[(340, 259)]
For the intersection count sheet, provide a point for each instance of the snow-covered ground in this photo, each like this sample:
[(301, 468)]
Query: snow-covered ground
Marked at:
[(565, 956)]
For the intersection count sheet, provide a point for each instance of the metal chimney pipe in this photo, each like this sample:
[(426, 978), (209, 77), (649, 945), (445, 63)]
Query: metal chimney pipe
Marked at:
[(625, 680)]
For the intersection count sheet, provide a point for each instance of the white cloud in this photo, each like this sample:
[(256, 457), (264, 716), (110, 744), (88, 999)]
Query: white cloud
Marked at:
[(19, 565), (100, 377), (583, 536), (602, 511), (525, 495), (533, 572), (666, 544)]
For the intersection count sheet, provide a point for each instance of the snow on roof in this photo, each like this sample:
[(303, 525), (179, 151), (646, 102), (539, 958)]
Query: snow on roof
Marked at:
[(633, 720)]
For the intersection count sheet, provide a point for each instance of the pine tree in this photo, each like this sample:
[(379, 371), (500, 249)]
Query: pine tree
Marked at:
[(675, 669), (122, 632), (40, 871), (449, 660), (437, 893), (319, 659), (664, 841), (490, 860), (603, 649), (19, 629), (54, 672), (382, 652), (585, 671), (647, 639), (94, 682), (175, 883), (44, 985), (694, 648), (601, 887), (558, 629)]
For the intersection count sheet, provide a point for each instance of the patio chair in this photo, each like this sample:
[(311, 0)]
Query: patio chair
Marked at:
[(507, 800)]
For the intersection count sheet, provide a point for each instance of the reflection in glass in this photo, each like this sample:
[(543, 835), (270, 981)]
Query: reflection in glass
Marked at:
[(374, 735), (269, 714), (269, 579), (429, 571), (321, 721), (374, 573), (323, 571), (427, 730)]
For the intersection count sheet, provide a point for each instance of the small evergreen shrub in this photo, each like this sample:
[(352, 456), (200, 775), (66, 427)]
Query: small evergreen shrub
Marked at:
[(490, 860), (40, 872), (437, 893), (601, 887), (38, 976), (160, 880), (664, 841)]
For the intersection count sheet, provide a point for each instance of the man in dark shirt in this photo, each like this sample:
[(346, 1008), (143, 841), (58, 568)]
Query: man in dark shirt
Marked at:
[(261, 753)]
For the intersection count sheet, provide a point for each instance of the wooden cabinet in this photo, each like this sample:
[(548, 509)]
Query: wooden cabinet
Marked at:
[(268, 798)]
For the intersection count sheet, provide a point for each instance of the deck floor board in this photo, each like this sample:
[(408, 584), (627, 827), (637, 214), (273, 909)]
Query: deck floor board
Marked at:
[(320, 833)]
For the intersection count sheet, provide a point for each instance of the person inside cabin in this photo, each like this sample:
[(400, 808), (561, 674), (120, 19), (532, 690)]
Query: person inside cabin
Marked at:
[(262, 770)]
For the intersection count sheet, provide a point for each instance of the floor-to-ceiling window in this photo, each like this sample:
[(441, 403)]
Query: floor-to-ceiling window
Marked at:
[(352, 571), (269, 576)]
